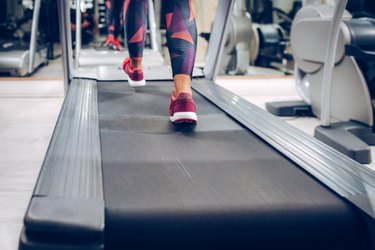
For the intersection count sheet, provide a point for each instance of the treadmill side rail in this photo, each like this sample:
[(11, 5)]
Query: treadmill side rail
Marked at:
[(66, 210), (346, 177)]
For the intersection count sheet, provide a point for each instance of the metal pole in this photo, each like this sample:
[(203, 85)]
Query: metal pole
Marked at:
[(153, 31), (217, 39), (329, 63), (78, 31), (157, 4), (239, 8), (34, 34), (65, 41)]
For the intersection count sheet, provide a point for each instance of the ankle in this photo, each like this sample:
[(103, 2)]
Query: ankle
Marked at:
[(181, 84), (135, 62)]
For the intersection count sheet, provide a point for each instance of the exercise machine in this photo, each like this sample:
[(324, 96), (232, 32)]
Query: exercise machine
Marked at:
[(255, 38), (118, 174), (341, 94), (17, 59)]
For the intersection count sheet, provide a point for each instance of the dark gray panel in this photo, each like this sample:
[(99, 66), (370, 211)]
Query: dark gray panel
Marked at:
[(73, 216), (349, 138), (207, 185), (289, 108), (67, 207)]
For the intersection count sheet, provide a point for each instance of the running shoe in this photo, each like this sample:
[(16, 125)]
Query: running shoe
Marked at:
[(182, 109), (135, 75), (117, 44), (109, 41), (112, 43)]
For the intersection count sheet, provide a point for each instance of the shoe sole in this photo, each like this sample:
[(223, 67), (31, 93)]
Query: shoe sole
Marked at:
[(133, 83), (184, 117)]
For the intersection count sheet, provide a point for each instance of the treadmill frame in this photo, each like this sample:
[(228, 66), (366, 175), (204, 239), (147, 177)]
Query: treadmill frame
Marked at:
[(78, 124), (25, 62)]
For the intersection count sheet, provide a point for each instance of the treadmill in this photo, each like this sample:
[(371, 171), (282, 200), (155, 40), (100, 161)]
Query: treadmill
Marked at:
[(19, 60), (119, 175)]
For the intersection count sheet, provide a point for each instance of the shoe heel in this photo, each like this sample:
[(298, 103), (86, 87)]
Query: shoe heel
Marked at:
[(133, 83)]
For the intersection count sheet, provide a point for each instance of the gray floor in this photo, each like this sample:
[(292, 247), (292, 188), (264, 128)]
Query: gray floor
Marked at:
[(28, 112), (52, 70)]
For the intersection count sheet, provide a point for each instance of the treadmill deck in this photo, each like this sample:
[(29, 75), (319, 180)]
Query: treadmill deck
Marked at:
[(215, 184)]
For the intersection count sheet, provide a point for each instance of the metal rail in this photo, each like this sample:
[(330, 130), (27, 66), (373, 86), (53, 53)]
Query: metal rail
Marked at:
[(65, 41), (34, 34), (329, 63), (78, 31)]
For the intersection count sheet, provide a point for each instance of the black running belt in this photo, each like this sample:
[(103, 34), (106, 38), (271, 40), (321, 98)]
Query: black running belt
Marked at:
[(214, 185)]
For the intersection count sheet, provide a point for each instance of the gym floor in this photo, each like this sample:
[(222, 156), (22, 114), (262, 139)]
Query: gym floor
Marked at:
[(29, 108)]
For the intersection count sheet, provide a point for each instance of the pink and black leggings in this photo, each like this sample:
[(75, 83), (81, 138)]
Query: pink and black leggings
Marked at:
[(181, 32), (113, 16)]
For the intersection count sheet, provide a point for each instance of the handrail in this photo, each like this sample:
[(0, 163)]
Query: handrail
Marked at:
[(33, 36), (329, 63), (217, 39), (155, 45), (78, 31), (65, 41)]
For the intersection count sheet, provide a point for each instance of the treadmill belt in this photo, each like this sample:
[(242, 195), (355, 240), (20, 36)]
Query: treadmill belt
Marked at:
[(211, 185)]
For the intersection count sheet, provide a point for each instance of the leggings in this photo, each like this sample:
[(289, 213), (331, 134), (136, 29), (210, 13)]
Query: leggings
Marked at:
[(181, 32), (113, 16)]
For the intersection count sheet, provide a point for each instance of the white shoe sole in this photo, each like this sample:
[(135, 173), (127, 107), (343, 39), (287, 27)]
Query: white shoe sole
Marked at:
[(133, 83), (184, 117)]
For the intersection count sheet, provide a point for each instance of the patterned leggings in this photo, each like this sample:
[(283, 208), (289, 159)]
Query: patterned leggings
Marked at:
[(113, 16), (181, 32)]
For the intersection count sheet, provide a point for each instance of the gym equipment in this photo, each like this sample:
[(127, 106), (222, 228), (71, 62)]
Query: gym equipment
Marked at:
[(118, 175), (340, 93), (237, 50), (259, 42), (18, 60)]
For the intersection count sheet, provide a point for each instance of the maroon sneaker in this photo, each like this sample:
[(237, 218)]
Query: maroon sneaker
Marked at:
[(112, 43), (182, 109), (135, 75), (109, 39), (117, 44)]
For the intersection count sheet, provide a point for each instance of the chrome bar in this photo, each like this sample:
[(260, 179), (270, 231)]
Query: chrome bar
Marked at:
[(153, 30), (217, 39), (78, 31), (65, 41), (329, 63), (34, 34)]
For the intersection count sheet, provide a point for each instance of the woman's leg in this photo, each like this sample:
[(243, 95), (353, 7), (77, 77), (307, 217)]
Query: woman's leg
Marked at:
[(182, 40), (117, 8), (113, 23), (108, 17), (135, 13)]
